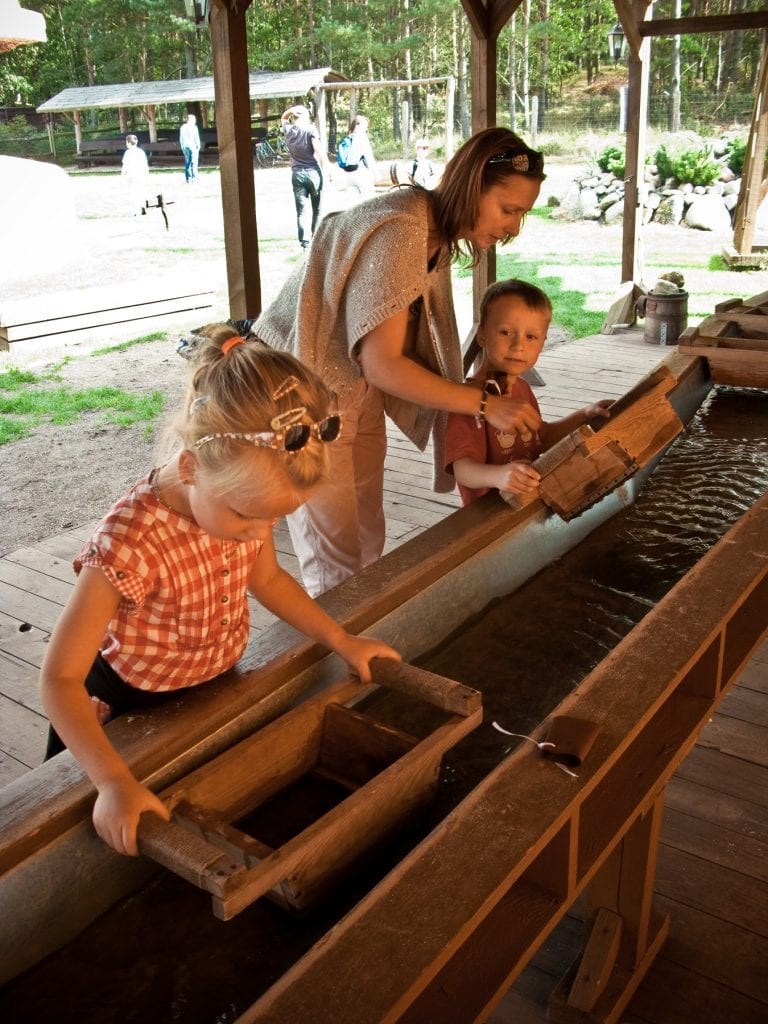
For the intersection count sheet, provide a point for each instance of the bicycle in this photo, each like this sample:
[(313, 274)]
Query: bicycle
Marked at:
[(271, 151)]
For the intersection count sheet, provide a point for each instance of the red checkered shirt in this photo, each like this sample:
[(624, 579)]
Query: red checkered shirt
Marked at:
[(183, 613)]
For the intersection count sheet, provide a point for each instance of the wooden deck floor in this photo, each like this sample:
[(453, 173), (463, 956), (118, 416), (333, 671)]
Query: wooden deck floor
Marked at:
[(713, 873)]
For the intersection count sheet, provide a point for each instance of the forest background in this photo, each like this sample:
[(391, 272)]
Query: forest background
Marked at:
[(555, 73)]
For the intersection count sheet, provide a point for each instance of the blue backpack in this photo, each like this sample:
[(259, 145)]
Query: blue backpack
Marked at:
[(343, 154)]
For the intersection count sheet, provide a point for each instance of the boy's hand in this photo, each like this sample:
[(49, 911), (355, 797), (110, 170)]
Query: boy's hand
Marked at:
[(358, 651), (117, 810), (519, 479), (598, 410)]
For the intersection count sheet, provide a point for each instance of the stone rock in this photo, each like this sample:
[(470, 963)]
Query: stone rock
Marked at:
[(615, 213), (670, 209), (38, 217), (708, 213)]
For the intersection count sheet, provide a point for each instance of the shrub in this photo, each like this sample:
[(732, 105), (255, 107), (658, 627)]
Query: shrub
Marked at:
[(612, 160), (735, 151), (687, 165)]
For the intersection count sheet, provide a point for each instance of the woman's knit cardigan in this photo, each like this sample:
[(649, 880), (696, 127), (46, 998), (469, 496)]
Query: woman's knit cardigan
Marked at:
[(364, 265)]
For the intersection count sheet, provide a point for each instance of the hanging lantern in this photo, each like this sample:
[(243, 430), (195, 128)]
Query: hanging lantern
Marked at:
[(616, 42)]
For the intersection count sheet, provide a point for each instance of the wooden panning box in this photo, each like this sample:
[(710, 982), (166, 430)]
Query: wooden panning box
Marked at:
[(479, 895)]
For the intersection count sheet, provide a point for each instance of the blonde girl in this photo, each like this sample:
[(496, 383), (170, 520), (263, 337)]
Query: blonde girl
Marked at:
[(160, 601)]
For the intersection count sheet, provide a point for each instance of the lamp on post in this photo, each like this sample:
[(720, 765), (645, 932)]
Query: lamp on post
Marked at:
[(616, 42), (198, 11)]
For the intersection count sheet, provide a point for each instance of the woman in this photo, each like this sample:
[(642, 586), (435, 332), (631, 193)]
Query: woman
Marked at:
[(371, 311)]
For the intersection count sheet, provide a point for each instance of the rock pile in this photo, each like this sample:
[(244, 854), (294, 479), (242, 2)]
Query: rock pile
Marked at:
[(600, 197)]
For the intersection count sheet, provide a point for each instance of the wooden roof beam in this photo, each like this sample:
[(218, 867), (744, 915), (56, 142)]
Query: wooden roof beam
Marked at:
[(632, 15), (708, 23)]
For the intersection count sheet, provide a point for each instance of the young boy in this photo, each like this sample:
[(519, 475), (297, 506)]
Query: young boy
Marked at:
[(514, 320)]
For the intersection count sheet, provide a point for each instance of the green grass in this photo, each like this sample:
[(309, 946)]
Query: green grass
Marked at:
[(123, 346), (27, 400)]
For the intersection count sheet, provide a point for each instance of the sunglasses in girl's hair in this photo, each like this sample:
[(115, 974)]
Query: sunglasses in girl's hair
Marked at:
[(288, 434)]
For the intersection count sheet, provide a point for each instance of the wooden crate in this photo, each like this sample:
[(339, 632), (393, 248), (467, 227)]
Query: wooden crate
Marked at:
[(386, 774), (591, 461), (734, 341)]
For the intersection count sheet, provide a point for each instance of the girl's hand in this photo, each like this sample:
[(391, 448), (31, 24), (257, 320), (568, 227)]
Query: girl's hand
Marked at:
[(520, 479), (511, 416), (358, 651), (117, 810)]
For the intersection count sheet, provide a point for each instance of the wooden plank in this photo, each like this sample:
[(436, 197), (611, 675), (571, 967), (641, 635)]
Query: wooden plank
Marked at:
[(698, 940), (671, 995), (730, 895), (737, 815), (741, 739), (598, 960), (11, 768), (730, 848), (34, 582), (19, 682), (29, 608), (22, 734), (726, 774), (41, 561), (18, 640), (89, 320)]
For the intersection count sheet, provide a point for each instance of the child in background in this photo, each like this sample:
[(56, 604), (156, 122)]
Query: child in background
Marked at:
[(160, 602), (514, 321), (135, 169), (423, 172)]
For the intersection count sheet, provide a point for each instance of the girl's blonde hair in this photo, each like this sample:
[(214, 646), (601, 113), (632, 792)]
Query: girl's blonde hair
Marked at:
[(475, 168), (234, 391)]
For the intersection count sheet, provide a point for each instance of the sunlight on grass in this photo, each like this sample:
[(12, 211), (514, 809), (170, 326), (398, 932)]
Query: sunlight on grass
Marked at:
[(24, 404), (123, 346)]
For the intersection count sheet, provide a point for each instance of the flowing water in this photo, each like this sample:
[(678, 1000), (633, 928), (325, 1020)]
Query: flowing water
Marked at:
[(161, 955)]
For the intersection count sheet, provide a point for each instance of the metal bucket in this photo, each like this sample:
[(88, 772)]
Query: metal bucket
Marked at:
[(666, 317)]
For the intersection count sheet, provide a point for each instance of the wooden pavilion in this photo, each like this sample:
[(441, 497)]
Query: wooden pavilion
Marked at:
[(458, 974), (228, 37)]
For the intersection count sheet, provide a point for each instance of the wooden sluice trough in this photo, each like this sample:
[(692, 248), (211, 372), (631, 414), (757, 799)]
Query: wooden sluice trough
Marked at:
[(444, 934)]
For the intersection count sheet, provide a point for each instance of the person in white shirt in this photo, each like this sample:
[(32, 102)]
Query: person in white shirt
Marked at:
[(189, 140), (135, 168)]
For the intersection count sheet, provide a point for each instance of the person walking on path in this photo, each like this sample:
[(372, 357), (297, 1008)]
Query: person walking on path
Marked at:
[(308, 162), (371, 310), (135, 168), (360, 164), (189, 140)]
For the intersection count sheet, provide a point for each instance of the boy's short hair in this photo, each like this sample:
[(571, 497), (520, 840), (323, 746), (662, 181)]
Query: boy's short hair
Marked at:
[(131, 140), (531, 295)]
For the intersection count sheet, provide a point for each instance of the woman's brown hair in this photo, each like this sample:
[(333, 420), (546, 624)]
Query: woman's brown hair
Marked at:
[(486, 159)]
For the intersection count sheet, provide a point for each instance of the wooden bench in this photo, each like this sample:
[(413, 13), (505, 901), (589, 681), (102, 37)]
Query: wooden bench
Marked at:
[(100, 151), (74, 315)]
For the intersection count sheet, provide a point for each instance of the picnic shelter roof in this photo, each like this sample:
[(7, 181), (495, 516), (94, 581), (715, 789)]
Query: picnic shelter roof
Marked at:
[(263, 85)]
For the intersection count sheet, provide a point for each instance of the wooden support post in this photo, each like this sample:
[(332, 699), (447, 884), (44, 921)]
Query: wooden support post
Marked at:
[(754, 164), (626, 934), (233, 119), (631, 252), (483, 61)]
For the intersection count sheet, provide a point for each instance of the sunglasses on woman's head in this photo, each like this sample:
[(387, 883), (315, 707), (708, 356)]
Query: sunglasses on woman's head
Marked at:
[(522, 159), (288, 433)]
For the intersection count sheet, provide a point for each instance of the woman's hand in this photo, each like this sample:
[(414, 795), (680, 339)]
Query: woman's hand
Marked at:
[(520, 479), (358, 651), (512, 416), (118, 807)]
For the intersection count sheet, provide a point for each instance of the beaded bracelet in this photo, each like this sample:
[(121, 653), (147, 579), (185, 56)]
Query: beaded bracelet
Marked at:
[(481, 410)]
